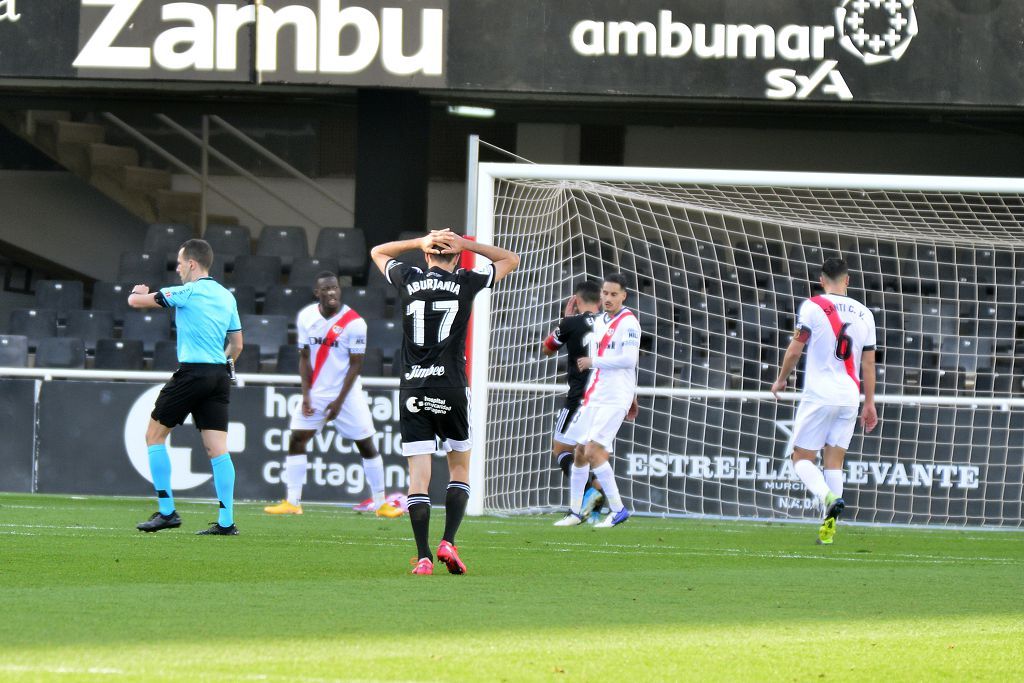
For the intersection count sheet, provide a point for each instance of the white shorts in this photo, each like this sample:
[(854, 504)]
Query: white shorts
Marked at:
[(596, 423), (563, 420), (353, 422), (817, 426)]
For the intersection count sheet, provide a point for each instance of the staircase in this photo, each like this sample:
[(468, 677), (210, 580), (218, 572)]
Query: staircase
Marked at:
[(114, 170)]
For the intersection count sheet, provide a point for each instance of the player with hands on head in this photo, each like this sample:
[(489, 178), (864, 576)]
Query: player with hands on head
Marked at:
[(434, 394), (839, 335)]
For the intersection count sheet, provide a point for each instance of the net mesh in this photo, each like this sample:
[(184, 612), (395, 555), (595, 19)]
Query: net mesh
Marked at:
[(719, 272)]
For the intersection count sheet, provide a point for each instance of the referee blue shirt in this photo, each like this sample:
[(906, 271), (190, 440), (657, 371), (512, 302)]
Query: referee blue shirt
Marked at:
[(206, 313)]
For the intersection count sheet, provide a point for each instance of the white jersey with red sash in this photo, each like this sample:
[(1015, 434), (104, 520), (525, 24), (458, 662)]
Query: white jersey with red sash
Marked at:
[(615, 348), (837, 330), (330, 342)]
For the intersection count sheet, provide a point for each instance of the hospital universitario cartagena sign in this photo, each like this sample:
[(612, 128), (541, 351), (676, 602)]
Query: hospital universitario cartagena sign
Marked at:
[(942, 52)]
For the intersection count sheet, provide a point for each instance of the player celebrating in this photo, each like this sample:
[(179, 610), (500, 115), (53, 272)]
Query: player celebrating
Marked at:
[(608, 400), (206, 314), (840, 337), (434, 392), (573, 333), (334, 336)]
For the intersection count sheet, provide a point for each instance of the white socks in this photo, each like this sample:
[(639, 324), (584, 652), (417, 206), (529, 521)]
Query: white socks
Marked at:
[(373, 468), (811, 476), (295, 477), (834, 479), (606, 475), (578, 477)]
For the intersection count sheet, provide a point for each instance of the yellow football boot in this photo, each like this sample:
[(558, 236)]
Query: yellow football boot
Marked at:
[(283, 508)]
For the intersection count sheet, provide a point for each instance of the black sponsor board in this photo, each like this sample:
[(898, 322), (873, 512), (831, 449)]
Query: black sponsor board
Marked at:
[(17, 424), (92, 441), (946, 52)]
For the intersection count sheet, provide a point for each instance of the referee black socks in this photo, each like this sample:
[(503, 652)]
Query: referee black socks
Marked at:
[(419, 515), (455, 502)]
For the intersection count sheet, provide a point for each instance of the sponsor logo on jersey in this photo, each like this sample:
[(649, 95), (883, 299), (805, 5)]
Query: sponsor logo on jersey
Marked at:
[(433, 285), (431, 404), (319, 341), (416, 372)]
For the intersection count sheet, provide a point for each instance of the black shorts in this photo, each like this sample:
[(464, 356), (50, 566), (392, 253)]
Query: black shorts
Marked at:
[(564, 418), (429, 414), (202, 389)]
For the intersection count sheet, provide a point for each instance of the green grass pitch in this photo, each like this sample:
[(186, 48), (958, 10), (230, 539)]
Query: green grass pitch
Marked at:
[(326, 596)]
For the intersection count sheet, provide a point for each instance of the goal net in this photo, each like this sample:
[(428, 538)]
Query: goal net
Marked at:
[(720, 262)]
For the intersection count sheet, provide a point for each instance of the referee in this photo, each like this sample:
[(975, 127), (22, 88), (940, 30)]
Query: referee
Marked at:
[(206, 315)]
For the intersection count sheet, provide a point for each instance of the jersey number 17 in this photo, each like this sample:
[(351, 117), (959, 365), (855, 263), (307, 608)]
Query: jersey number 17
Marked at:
[(417, 309)]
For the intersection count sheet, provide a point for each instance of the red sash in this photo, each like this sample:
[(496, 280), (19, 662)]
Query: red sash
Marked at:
[(837, 327), (325, 345), (605, 341)]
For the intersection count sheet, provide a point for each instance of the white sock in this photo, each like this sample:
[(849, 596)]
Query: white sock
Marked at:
[(373, 468), (295, 477), (606, 475), (578, 477), (812, 478), (834, 479)]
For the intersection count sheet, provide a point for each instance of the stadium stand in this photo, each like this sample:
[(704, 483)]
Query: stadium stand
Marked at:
[(287, 301), (369, 302), (149, 327), (60, 352), (60, 295), (90, 326), (261, 272), (120, 354), (34, 323), (13, 351), (288, 242), (142, 268), (347, 246), (305, 269), (266, 331), (113, 297), (249, 360), (165, 355), (373, 363), (287, 359), (385, 335), (166, 239), (245, 298), (228, 242)]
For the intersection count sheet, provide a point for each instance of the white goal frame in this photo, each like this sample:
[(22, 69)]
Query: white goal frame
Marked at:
[(480, 224)]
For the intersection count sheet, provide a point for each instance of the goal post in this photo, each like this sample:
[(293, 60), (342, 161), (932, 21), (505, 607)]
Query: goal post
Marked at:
[(719, 260)]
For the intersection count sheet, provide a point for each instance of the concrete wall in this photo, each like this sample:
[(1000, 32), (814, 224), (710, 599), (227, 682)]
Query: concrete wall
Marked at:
[(63, 219)]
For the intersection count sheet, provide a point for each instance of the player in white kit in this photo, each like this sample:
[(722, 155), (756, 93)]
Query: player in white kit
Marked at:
[(332, 344), (839, 334), (610, 398)]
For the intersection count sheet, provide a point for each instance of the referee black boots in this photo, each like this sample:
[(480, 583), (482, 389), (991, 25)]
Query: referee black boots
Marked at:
[(158, 522)]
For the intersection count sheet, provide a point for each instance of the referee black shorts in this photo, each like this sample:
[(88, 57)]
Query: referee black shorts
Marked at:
[(202, 389), (429, 414)]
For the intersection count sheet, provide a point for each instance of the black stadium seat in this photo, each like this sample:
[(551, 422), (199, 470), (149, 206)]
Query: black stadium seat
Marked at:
[(261, 272), (373, 363), (305, 270), (34, 323), (287, 359), (368, 302), (113, 297), (166, 239), (90, 326), (287, 301), (147, 326), (269, 332), (228, 242), (288, 242), (245, 298), (119, 354), (60, 352), (165, 355), (249, 360), (347, 246), (141, 268), (60, 295), (385, 335), (13, 351)]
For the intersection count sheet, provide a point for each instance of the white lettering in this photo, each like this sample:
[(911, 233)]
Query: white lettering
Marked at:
[(274, 404), (619, 30), (428, 59), (416, 372), (588, 38), (99, 50), (198, 36), (674, 38), (269, 24), (750, 36), (333, 20), (229, 20), (8, 11), (701, 48)]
